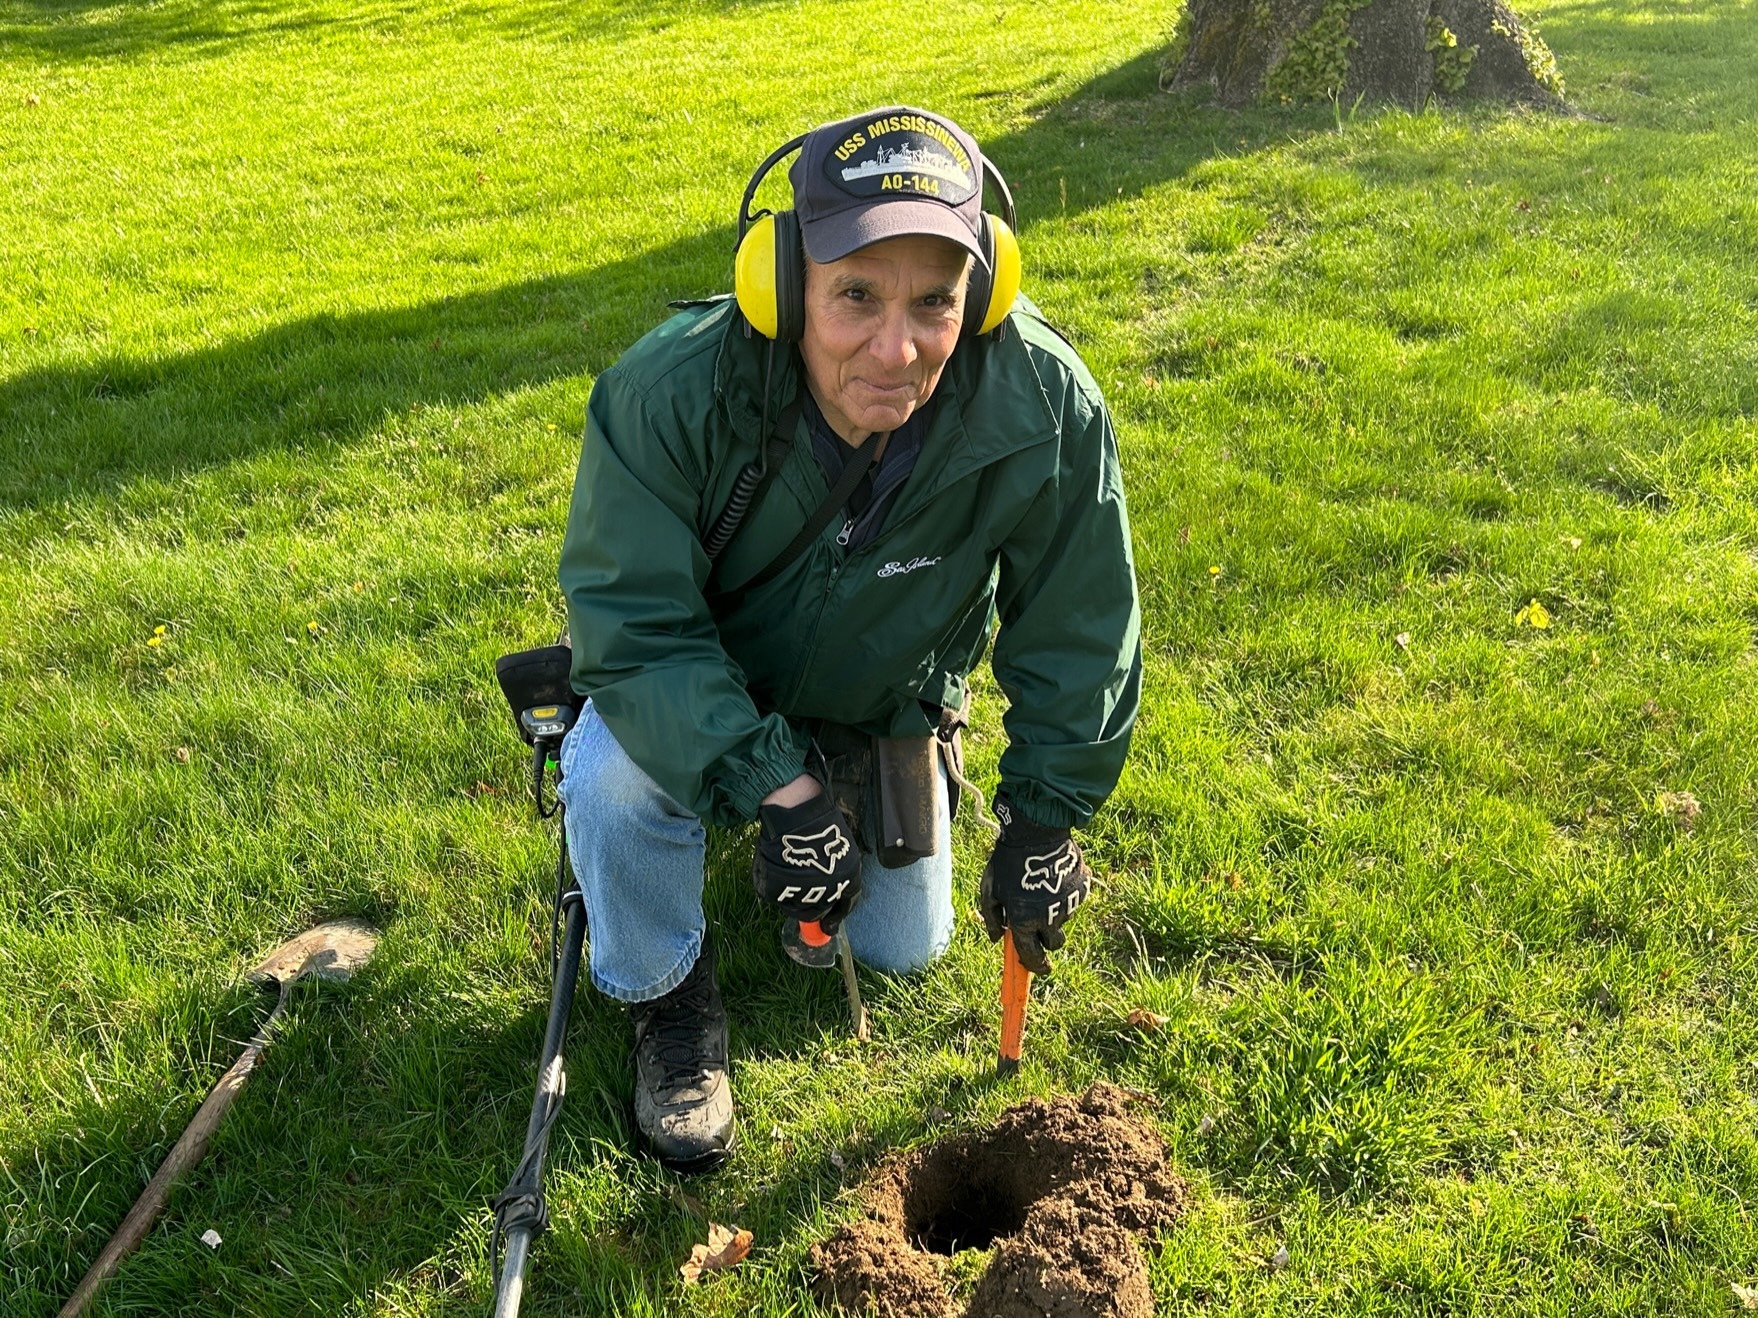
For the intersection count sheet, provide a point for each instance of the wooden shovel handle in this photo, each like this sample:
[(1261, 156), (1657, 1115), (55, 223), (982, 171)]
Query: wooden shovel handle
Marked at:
[(191, 1146), (1016, 988)]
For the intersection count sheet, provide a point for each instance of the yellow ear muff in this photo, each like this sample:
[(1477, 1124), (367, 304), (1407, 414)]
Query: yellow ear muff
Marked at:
[(1003, 274), (754, 276)]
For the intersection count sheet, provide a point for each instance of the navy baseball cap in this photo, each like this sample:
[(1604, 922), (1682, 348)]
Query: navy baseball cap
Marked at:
[(886, 174)]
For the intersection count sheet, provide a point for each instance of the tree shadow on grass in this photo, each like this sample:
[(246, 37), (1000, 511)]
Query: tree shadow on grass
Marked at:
[(63, 30), (1700, 53), (73, 431)]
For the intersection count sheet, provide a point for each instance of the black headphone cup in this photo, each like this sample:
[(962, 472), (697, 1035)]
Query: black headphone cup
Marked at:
[(978, 286), (790, 278)]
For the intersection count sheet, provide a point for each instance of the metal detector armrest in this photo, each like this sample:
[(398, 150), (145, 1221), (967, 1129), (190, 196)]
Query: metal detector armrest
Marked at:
[(535, 683)]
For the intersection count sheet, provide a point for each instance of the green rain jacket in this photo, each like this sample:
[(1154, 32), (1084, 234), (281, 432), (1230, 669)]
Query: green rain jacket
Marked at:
[(1014, 510)]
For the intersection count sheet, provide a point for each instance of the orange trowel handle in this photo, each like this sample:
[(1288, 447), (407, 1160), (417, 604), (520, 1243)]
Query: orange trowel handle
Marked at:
[(1016, 987), (811, 935)]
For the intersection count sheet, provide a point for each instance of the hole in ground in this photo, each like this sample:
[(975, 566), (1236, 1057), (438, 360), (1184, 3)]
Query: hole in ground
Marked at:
[(1041, 1211), (963, 1197), (971, 1217)]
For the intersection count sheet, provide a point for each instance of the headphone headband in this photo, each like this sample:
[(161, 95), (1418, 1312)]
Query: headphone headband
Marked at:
[(769, 261), (746, 219), (1002, 191)]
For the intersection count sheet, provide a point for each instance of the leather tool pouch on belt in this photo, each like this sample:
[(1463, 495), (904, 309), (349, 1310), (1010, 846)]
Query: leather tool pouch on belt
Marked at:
[(887, 786), (908, 780)]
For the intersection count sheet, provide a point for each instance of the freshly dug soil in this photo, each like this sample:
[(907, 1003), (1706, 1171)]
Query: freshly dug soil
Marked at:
[(1062, 1190)]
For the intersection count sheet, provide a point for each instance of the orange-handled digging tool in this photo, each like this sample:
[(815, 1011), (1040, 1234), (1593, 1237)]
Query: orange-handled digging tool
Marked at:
[(812, 935), (1016, 987)]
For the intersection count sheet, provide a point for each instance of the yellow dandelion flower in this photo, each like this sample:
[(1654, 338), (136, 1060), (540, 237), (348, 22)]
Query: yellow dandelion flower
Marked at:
[(155, 640), (1214, 570), (312, 627), (1533, 615), (159, 630)]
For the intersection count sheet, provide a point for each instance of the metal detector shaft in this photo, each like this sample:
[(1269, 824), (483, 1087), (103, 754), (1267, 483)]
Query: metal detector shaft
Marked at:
[(551, 1082)]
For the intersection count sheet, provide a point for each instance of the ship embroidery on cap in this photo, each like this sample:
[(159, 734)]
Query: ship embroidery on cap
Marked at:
[(920, 159), (911, 154)]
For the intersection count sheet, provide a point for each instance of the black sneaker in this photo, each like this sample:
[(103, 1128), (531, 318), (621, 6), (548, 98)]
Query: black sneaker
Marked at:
[(683, 1101)]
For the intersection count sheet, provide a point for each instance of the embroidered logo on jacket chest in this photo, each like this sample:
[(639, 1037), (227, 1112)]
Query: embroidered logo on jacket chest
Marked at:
[(897, 569)]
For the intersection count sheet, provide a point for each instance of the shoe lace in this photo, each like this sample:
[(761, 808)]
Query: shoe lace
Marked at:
[(674, 1032)]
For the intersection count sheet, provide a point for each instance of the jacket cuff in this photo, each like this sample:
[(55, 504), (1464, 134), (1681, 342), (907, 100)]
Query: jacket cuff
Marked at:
[(1042, 806), (747, 793)]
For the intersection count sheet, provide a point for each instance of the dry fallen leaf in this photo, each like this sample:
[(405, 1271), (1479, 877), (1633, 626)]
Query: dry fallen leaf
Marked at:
[(1403, 640), (1681, 807), (1746, 1296), (1279, 1259), (726, 1248), (1145, 1020)]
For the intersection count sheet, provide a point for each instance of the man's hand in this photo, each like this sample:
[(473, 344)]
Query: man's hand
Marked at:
[(807, 863), (1034, 881)]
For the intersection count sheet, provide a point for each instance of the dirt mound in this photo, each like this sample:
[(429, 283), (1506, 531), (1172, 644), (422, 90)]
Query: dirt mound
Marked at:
[(1062, 1190)]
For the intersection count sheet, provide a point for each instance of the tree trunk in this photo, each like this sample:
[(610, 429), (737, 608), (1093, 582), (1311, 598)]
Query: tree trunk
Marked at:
[(1281, 52)]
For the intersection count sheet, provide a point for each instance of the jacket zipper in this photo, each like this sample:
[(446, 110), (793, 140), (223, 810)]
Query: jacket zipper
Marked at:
[(812, 641)]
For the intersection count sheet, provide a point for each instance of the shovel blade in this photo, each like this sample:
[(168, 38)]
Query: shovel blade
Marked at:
[(331, 951)]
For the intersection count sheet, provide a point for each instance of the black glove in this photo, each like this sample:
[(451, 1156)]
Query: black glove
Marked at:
[(1033, 882), (807, 862)]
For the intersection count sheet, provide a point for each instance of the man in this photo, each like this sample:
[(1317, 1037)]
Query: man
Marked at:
[(723, 690)]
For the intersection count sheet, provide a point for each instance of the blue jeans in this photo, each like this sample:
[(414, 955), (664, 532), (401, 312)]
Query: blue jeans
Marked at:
[(638, 857)]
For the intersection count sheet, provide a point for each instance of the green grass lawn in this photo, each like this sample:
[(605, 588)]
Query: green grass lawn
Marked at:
[(299, 309)]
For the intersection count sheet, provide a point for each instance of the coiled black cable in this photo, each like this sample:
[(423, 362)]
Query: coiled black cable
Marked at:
[(750, 479), (737, 505)]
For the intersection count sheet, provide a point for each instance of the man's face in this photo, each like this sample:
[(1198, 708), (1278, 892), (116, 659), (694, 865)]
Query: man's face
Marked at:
[(880, 324)]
